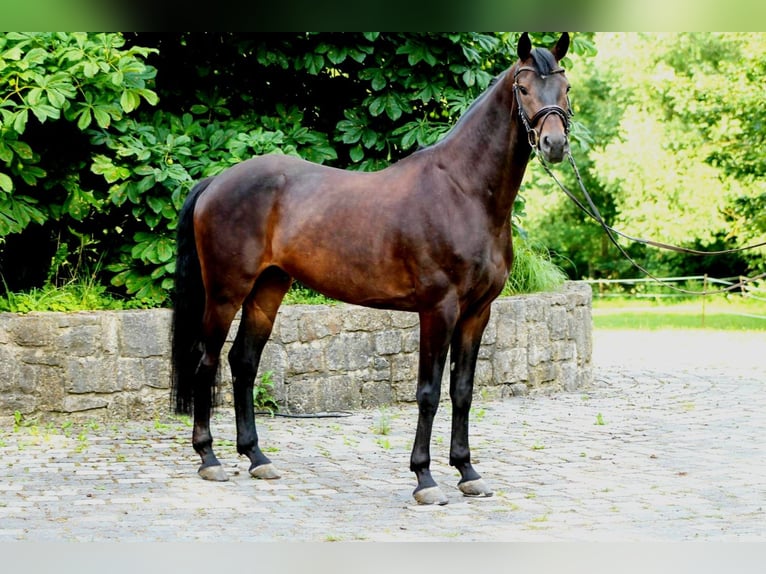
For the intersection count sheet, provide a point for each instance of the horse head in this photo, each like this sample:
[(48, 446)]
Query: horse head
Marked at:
[(541, 93)]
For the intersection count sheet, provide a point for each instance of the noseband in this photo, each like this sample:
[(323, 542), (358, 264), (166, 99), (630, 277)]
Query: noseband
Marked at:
[(533, 135)]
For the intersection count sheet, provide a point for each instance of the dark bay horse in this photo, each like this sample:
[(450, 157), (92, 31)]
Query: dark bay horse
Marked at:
[(429, 234)]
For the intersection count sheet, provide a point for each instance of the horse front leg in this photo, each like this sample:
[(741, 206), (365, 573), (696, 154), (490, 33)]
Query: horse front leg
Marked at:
[(435, 331), (464, 353)]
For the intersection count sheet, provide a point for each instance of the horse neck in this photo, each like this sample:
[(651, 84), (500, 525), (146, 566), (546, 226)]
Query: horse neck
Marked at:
[(487, 152)]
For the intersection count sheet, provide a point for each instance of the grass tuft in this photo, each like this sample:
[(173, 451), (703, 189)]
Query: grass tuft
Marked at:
[(532, 270)]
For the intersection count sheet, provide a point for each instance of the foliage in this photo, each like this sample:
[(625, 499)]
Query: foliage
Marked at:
[(73, 296), (263, 397), (83, 79), (532, 270)]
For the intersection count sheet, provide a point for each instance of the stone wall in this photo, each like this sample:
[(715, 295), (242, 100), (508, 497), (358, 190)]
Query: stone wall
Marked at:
[(322, 358)]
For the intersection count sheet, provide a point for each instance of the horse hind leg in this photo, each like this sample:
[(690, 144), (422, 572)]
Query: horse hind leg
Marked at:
[(258, 314), (216, 322)]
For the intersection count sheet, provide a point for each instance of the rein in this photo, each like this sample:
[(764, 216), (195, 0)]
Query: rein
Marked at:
[(594, 214)]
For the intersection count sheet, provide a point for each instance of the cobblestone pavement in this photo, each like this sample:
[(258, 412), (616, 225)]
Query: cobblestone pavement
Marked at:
[(667, 444)]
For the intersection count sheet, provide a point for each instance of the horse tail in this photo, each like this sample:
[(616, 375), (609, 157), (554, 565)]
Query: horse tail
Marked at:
[(188, 307)]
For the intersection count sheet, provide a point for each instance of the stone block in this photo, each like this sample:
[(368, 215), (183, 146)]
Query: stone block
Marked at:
[(304, 358), (388, 342), (33, 330), (349, 352), (510, 366), (92, 375), (82, 403), (364, 319), (144, 334)]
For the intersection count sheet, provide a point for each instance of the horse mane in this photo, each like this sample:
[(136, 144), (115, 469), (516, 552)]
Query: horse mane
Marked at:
[(544, 62), (467, 112)]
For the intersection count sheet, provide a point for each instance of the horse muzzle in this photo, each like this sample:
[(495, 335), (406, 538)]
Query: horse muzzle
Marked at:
[(553, 146), (550, 141)]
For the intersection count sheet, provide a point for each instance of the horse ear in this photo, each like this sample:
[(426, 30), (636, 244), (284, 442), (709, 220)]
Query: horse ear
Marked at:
[(561, 47), (524, 47)]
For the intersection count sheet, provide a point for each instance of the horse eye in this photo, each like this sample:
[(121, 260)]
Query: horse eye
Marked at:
[(523, 90)]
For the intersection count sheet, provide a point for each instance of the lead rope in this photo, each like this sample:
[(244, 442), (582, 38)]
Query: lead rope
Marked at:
[(594, 213)]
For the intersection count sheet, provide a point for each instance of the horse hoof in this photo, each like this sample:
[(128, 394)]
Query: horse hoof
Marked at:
[(430, 495), (265, 472), (215, 473), (474, 488)]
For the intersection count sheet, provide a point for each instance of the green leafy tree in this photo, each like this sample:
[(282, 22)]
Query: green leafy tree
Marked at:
[(66, 77)]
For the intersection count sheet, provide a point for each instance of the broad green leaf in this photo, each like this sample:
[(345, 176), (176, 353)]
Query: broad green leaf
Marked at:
[(6, 153), (103, 119), (85, 119), (129, 101), (22, 149), (20, 121), (6, 183), (356, 153)]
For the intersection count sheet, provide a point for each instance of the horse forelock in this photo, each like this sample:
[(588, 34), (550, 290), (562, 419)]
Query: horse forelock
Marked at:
[(544, 61)]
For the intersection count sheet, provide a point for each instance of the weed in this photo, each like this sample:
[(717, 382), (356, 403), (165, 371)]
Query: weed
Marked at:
[(538, 446), (19, 421), (66, 428), (263, 394), (383, 426), (383, 443), (599, 420)]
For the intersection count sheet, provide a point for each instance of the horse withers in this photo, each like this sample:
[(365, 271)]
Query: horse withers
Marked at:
[(429, 234)]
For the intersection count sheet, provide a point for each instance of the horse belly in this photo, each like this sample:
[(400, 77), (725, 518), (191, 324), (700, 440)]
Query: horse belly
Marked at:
[(351, 274)]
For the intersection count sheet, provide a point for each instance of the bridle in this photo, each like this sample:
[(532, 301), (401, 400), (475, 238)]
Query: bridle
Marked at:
[(533, 136)]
